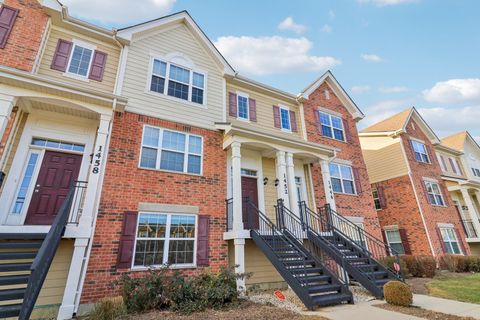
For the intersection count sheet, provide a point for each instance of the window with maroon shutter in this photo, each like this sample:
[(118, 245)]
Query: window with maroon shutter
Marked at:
[(61, 55), (440, 238), (346, 129), (293, 121), (317, 121), (232, 104), (202, 240), (276, 117), (381, 197), (459, 239), (358, 182), (7, 20), (252, 109), (430, 154), (98, 65), (127, 240), (405, 243)]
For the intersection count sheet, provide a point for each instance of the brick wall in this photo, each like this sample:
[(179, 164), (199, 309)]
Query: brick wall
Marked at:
[(24, 41), (8, 131), (125, 185), (348, 205)]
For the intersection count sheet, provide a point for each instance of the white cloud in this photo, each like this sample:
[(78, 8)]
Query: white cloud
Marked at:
[(395, 89), (326, 29), (272, 55), (383, 3), (371, 57), (446, 121), (454, 90), (119, 11), (384, 109), (289, 24), (360, 89), (331, 14)]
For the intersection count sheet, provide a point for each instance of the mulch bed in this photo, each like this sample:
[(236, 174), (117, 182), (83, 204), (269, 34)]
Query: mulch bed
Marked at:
[(421, 313)]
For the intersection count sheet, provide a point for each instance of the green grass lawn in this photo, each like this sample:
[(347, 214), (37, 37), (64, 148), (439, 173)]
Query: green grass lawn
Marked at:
[(459, 287)]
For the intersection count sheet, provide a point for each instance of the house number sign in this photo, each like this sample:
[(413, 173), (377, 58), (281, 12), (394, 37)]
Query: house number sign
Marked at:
[(285, 186), (96, 162)]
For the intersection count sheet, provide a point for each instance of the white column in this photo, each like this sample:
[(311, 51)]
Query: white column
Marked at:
[(282, 187), (471, 210), (292, 186), (96, 171), (6, 107), (237, 187), (68, 303), (240, 263), (327, 184)]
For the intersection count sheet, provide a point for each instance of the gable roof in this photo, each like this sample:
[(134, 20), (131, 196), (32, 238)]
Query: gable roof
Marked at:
[(339, 91), (182, 16), (457, 140), (398, 122)]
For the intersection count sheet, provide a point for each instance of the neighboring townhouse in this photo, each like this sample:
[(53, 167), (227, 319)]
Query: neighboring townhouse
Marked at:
[(57, 78), (415, 209), (461, 172)]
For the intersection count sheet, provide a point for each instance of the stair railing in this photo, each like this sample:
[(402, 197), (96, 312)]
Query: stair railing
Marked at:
[(328, 222), (43, 260)]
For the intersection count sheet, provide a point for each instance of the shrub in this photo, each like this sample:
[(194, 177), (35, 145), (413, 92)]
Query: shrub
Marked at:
[(412, 265), (458, 263), (108, 309), (472, 263), (427, 265), (389, 261), (398, 293)]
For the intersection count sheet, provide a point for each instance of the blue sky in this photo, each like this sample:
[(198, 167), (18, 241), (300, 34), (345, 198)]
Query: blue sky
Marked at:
[(388, 54)]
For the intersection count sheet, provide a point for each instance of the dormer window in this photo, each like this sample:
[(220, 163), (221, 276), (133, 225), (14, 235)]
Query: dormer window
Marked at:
[(176, 81)]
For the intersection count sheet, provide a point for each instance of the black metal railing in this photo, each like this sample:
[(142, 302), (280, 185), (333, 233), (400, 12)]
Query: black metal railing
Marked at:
[(78, 202), (469, 228), (328, 224), (43, 260), (229, 214)]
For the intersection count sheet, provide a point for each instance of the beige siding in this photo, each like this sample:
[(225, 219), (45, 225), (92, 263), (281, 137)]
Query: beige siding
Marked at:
[(160, 44), (108, 82), (384, 160), (15, 141), (265, 105), (263, 274), (474, 248), (449, 169), (270, 191)]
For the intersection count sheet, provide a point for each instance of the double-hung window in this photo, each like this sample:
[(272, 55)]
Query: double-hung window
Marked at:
[(176, 81), (165, 239), (420, 151), (394, 240), (80, 60), (242, 102), (450, 240), (376, 199), (171, 150), (285, 119), (342, 178), (434, 194), (332, 126)]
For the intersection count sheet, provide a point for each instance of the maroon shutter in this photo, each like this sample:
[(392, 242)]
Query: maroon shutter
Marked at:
[(385, 241), (127, 240), (430, 154), (293, 121), (7, 19), (459, 167), (202, 240), (276, 117), (405, 243), (452, 165), (460, 241), (98, 65), (232, 104), (424, 187), (381, 197), (62, 53), (252, 109), (346, 129), (445, 194), (443, 162), (440, 238), (317, 121), (358, 183)]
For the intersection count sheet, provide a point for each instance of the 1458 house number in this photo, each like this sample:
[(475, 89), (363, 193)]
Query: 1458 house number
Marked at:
[(96, 160)]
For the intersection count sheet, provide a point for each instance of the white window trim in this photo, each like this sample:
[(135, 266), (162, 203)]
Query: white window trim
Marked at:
[(165, 95), (159, 149), (389, 242), (85, 45), (243, 95), (432, 181), (166, 243), (341, 180), (281, 107), (456, 166), (429, 161), (330, 115), (442, 165), (451, 227)]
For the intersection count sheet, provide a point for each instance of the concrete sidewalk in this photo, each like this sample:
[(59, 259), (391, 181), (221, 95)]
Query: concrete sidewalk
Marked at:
[(447, 306)]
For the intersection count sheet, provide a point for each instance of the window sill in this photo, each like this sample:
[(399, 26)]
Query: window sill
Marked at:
[(76, 77), (171, 171), (286, 130), (438, 206), (342, 141), (157, 267), (167, 97), (243, 119), (346, 194)]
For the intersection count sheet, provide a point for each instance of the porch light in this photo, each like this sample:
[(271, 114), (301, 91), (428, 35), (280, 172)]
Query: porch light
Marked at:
[(265, 181), (276, 182)]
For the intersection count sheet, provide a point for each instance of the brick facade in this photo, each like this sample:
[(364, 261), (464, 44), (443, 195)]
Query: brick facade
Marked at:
[(126, 185), (360, 205), (25, 39)]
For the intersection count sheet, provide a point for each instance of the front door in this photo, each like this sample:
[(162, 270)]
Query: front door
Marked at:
[(57, 174), (250, 190)]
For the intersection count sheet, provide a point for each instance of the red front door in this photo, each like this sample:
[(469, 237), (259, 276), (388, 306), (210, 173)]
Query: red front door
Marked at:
[(58, 172), (250, 191)]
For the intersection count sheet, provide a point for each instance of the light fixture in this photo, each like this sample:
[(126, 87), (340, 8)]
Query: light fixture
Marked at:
[(265, 181), (276, 182)]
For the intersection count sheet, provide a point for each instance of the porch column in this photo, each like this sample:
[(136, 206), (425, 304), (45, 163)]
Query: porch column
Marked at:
[(327, 183), (282, 187), (6, 107), (237, 187), (239, 244), (71, 287), (471, 210), (292, 186), (97, 168)]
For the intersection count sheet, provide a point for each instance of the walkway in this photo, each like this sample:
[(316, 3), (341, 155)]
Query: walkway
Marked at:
[(447, 306)]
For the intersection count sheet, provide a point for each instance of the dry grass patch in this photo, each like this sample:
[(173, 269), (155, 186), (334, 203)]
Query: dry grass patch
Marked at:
[(421, 313)]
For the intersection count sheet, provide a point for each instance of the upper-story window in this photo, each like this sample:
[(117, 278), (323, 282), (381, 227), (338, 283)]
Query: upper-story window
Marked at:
[(442, 162), (420, 151), (434, 194), (285, 119), (171, 150), (80, 60), (376, 199), (476, 172), (242, 107), (332, 126), (342, 178), (176, 81)]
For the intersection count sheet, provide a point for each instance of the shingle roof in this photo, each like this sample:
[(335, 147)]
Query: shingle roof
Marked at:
[(395, 122), (456, 141)]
